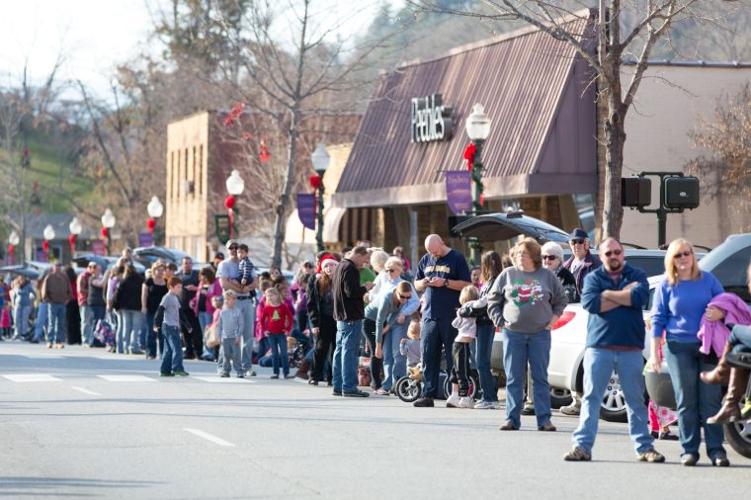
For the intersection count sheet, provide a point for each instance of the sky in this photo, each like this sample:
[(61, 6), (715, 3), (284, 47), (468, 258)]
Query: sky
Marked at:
[(96, 35)]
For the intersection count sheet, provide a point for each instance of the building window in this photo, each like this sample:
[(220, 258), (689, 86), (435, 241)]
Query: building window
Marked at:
[(195, 170), (176, 183), (171, 176), (200, 170)]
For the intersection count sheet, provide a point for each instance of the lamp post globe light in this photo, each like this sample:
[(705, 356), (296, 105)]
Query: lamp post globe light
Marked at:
[(478, 130), (13, 238), (49, 235), (155, 208), (108, 222), (13, 241), (320, 159), (75, 228), (235, 187)]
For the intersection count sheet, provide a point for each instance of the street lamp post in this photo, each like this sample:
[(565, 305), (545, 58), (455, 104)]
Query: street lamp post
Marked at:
[(49, 235), (75, 229), (478, 130), (155, 210), (108, 222), (320, 159), (235, 187)]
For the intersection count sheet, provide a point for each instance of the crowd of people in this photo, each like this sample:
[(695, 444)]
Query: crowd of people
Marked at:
[(438, 316)]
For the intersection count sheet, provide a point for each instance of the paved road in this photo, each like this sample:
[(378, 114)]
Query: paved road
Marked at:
[(81, 423)]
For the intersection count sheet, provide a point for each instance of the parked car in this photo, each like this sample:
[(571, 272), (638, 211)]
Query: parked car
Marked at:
[(148, 255)]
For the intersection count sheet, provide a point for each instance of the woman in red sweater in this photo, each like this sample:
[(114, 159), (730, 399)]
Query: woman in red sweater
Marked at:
[(276, 321)]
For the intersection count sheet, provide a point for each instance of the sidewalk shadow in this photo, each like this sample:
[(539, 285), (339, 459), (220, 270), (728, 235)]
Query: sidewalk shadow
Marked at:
[(19, 486)]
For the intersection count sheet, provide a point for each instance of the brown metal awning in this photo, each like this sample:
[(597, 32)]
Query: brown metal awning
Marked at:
[(537, 90)]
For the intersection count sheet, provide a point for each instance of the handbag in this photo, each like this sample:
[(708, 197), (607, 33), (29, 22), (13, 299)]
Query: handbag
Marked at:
[(211, 339)]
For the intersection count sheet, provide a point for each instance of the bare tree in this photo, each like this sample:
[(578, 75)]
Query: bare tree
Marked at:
[(725, 168), (289, 82), (625, 30), (22, 108)]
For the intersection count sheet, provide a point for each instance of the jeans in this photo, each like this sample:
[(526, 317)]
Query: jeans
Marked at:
[(249, 315), (696, 401), (41, 321), (344, 371), (151, 335), (204, 319), (56, 324), (231, 348), (279, 355), (86, 327), (394, 364), (483, 350), (96, 313), (599, 365), (741, 335), (520, 349), (129, 332), (172, 359), (21, 320), (435, 333)]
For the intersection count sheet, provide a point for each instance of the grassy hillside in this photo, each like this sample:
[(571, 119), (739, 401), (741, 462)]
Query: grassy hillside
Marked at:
[(54, 172)]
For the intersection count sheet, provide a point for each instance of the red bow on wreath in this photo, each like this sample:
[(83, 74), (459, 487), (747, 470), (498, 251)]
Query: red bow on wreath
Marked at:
[(469, 155), (315, 181)]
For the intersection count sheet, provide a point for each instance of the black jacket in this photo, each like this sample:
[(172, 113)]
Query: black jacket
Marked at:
[(349, 303), (569, 284), (128, 295), (481, 313), (315, 303)]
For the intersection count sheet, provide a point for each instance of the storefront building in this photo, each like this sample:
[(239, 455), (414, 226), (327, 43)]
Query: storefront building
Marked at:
[(540, 156)]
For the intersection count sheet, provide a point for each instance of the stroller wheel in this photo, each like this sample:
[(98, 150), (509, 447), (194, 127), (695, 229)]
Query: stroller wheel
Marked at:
[(408, 390)]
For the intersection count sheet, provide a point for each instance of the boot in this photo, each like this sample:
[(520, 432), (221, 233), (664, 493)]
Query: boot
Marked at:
[(302, 370), (730, 412), (721, 373)]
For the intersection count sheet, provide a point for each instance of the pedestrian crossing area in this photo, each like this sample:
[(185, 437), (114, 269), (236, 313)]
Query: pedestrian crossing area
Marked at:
[(23, 378)]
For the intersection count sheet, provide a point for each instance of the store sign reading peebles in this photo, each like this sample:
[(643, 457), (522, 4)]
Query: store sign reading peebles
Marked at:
[(431, 120)]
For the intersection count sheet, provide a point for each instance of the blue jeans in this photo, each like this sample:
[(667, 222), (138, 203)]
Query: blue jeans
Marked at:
[(172, 360), (130, 330), (518, 350), (204, 319), (394, 364), (741, 334), (435, 333), (599, 365), (279, 355), (150, 345), (248, 309), (56, 324), (696, 401), (344, 371), (21, 320), (41, 321), (483, 350), (86, 326)]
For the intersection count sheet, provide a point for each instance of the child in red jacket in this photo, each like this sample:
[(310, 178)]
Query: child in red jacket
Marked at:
[(276, 321)]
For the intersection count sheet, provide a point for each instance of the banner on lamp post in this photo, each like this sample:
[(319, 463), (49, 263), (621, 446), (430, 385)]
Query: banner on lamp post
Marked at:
[(306, 209), (145, 240), (459, 191)]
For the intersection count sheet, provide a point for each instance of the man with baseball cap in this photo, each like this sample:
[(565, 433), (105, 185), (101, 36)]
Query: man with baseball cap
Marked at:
[(228, 273)]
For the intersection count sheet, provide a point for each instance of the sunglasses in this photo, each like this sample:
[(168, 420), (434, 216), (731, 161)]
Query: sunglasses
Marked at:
[(233, 247), (404, 297), (390, 270), (613, 252), (577, 242), (681, 254), (549, 257)]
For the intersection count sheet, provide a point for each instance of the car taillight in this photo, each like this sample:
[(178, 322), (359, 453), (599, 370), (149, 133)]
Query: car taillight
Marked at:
[(565, 318)]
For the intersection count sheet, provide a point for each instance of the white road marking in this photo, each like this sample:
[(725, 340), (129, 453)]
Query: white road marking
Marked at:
[(31, 377), (219, 380), (85, 391), (126, 378), (118, 357), (209, 437), (43, 356)]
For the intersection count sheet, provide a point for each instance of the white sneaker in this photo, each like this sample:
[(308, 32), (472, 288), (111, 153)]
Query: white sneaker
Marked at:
[(485, 405), (453, 401), (466, 402)]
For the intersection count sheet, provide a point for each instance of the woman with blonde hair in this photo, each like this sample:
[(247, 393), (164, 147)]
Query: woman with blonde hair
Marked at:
[(525, 300), (680, 301)]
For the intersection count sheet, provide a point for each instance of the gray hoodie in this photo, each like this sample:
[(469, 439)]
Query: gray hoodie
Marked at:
[(524, 302)]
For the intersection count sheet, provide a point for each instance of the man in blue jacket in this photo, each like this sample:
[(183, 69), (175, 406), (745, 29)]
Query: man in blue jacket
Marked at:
[(614, 295)]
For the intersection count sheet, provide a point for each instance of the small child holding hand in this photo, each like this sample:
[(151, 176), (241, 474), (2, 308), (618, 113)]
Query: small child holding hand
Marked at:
[(276, 322)]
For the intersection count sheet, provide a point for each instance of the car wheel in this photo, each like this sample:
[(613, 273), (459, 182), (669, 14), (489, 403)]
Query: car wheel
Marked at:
[(738, 436), (613, 406), (560, 397)]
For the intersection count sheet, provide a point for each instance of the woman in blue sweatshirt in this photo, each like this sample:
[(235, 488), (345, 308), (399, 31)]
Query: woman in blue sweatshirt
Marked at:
[(680, 301)]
